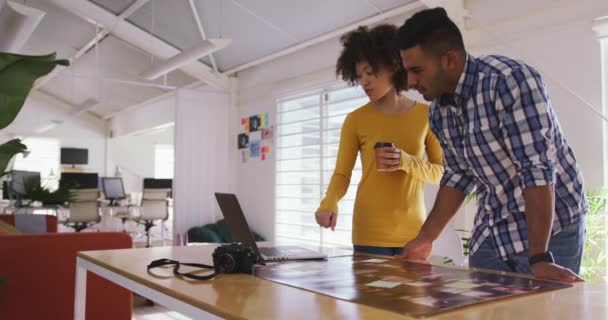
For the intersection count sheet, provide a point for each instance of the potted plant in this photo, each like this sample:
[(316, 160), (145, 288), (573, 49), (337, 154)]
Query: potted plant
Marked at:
[(593, 265), (17, 76), (59, 197)]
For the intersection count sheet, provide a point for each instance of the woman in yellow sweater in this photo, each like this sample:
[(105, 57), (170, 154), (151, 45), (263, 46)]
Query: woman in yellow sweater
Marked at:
[(389, 206)]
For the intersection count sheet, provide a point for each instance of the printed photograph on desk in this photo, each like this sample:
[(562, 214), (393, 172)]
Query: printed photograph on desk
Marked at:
[(408, 288)]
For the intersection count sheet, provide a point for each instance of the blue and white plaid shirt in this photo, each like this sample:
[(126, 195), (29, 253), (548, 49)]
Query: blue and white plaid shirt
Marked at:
[(500, 134)]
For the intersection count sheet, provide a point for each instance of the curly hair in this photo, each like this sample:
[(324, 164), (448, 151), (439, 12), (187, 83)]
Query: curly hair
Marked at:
[(376, 46)]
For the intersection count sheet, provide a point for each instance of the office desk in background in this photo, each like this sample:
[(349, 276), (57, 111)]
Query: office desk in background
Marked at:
[(240, 296)]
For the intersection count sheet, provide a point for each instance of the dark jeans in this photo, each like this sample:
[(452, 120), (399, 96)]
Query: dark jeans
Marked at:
[(385, 251), (566, 246)]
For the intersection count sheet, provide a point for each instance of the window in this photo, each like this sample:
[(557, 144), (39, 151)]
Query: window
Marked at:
[(308, 134), (163, 161), (43, 157)]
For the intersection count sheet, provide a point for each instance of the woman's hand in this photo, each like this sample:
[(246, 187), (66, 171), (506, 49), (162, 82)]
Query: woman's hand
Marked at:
[(326, 219)]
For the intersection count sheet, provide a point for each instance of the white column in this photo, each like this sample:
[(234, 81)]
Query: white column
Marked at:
[(600, 27), (202, 143)]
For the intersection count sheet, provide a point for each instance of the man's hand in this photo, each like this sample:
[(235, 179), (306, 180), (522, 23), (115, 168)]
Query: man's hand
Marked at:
[(326, 219), (552, 271), (418, 249)]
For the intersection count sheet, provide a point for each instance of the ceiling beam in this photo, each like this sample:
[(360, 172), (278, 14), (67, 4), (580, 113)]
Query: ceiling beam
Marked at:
[(140, 38), (201, 31), (600, 26), (96, 39), (371, 20), (193, 85)]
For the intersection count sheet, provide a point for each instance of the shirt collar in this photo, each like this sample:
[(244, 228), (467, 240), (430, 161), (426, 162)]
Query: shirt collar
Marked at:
[(466, 82), (464, 88)]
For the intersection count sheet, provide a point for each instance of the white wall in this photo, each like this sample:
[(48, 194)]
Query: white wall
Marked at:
[(155, 113), (134, 154), (558, 41), (202, 158)]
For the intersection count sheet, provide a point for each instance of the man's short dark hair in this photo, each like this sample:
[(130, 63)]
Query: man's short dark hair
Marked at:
[(378, 47), (432, 30)]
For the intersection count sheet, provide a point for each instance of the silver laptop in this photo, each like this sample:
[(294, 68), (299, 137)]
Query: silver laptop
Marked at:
[(240, 232)]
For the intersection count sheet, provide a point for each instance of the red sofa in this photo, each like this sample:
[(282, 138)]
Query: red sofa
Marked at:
[(39, 274)]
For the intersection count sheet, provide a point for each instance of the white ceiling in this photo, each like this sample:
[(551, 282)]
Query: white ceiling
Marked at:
[(109, 72)]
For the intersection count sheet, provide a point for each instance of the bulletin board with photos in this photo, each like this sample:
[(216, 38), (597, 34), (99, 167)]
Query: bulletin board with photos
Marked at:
[(412, 289), (255, 139)]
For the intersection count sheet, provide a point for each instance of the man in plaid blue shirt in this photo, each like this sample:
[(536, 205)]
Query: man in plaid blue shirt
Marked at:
[(500, 136)]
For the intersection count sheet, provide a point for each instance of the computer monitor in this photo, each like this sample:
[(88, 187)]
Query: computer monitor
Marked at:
[(21, 181), (74, 156), (113, 189), (151, 183), (79, 180)]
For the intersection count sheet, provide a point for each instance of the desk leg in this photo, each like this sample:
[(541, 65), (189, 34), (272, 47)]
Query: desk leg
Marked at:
[(80, 297)]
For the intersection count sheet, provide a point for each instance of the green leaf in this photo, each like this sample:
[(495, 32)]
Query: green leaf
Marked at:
[(17, 76), (8, 150)]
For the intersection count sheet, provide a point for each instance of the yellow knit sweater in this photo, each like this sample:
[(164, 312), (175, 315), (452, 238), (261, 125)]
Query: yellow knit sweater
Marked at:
[(389, 206)]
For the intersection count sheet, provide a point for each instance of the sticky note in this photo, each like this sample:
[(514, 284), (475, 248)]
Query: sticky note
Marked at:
[(375, 260), (383, 284)]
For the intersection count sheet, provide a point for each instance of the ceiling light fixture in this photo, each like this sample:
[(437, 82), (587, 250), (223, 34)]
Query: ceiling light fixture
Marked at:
[(196, 52), (17, 23)]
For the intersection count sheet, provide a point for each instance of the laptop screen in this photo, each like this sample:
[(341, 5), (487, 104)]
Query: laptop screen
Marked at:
[(235, 219)]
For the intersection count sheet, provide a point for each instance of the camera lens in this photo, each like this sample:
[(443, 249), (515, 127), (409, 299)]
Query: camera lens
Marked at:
[(226, 263)]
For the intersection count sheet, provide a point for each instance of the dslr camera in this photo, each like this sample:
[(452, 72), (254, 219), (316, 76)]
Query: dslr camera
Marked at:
[(234, 258)]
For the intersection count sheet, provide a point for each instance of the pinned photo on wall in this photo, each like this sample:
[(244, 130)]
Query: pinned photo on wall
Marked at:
[(265, 120), (267, 133), (265, 151), (243, 141), (254, 123), (245, 124), (254, 148), (245, 155)]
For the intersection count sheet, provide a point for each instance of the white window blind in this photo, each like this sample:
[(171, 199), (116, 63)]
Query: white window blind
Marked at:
[(308, 135), (43, 157), (163, 161)]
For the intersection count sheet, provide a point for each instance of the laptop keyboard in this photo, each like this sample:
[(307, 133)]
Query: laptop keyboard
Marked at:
[(274, 252)]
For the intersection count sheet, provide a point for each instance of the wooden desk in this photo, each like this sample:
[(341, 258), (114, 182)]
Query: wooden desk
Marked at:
[(240, 296)]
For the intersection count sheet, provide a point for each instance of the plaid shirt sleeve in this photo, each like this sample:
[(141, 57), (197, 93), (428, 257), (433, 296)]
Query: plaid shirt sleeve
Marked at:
[(457, 173), (529, 124)]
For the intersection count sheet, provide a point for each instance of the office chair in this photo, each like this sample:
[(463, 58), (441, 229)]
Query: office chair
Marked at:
[(154, 206), (84, 210)]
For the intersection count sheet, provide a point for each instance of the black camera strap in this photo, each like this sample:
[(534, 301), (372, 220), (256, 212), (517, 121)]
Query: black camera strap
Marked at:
[(177, 265)]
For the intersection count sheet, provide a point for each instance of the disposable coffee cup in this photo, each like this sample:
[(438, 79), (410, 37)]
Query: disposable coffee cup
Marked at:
[(378, 149)]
